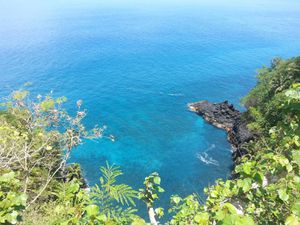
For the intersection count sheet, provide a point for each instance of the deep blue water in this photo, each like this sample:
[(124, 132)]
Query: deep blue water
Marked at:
[(136, 66)]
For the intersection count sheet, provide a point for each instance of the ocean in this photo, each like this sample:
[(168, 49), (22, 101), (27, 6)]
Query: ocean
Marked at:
[(136, 65)]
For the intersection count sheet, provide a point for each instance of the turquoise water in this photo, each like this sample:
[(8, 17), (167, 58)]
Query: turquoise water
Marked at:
[(136, 66)]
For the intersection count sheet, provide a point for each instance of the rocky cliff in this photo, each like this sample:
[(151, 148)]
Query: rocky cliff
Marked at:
[(223, 115)]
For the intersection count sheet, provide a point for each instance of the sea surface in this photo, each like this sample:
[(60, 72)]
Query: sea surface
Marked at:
[(136, 65)]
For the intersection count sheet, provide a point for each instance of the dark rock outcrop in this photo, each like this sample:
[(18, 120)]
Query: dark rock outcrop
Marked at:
[(223, 115)]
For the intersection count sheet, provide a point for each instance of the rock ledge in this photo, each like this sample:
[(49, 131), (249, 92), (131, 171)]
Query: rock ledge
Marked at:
[(223, 115)]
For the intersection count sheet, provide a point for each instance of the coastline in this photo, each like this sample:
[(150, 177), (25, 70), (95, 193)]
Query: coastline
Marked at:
[(224, 116)]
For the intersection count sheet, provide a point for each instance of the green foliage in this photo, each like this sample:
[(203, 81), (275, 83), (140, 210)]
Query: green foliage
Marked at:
[(152, 188), (149, 194), (12, 201), (67, 208), (114, 201), (266, 100), (99, 205), (36, 140), (187, 211)]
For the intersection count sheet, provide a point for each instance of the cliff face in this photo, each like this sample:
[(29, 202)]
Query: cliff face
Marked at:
[(223, 115)]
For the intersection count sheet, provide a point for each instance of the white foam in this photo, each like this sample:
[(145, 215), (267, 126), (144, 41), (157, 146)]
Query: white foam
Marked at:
[(176, 94), (205, 158)]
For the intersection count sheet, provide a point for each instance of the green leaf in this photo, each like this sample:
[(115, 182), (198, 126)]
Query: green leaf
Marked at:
[(296, 208), (228, 220), (220, 215), (296, 157), (202, 218), (231, 208), (289, 167), (246, 220), (283, 195), (237, 220), (159, 212), (156, 180), (247, 168), (244, 184), (176, 199), (259, 177), (7, 177), (74, 187), (102, 218), (138, 221), (92, 210), (160, 189), (292, 220)]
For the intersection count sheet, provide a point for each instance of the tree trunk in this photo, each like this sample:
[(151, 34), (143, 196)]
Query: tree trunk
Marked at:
[(151, 213)]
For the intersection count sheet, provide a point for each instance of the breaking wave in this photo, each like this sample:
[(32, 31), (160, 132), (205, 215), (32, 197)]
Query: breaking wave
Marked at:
[(205, 158)]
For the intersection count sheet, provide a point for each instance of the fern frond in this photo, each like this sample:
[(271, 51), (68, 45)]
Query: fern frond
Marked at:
[(123, 194), (114, 200), (110, 173)]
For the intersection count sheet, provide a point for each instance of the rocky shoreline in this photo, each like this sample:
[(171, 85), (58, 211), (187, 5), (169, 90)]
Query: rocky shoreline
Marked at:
[(224, 116)]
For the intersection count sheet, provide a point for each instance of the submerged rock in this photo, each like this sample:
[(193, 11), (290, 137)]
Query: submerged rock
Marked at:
[(223, 115)]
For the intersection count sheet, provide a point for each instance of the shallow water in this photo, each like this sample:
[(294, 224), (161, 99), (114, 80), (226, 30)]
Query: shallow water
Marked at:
[(136, 66)]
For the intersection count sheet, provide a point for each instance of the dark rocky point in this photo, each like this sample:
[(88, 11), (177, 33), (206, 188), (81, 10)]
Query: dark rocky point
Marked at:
[(223, 115)]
